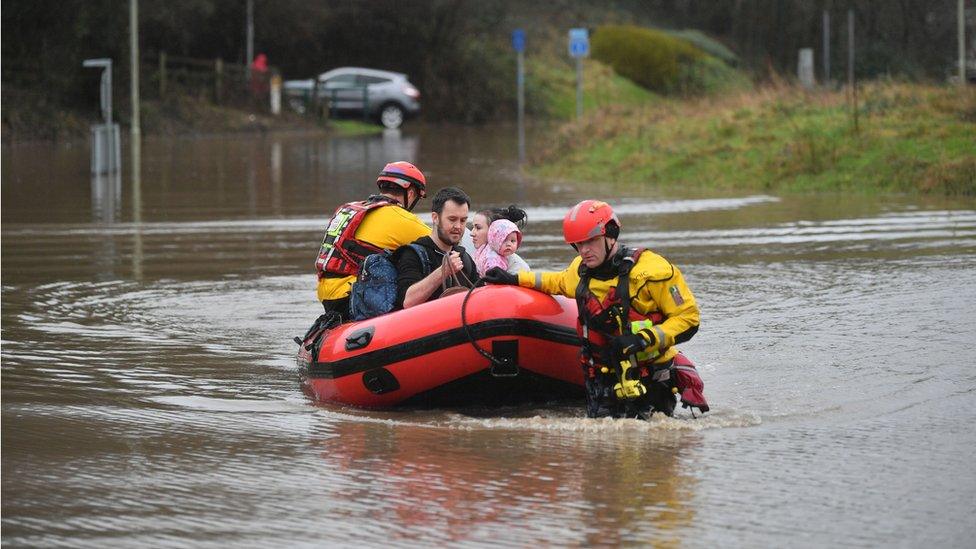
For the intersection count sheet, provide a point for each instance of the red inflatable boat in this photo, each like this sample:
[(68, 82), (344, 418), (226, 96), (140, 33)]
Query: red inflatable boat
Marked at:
[(494, 345)]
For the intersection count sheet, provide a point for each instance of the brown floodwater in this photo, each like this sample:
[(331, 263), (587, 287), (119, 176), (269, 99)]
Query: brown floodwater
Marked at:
[(150, 396)]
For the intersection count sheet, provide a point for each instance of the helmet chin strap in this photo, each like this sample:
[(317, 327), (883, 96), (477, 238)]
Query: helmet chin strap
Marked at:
[(606, 248), (406, 197)]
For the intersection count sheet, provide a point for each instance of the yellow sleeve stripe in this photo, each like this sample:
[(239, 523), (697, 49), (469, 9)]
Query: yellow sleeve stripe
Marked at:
[(661, 342)]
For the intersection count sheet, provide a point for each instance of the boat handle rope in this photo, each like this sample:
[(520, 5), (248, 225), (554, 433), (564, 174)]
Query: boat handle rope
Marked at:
[(495, 361)]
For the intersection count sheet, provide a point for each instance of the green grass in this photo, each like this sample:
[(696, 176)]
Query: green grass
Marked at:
[(354, 127), (910, 138), (551, 88)]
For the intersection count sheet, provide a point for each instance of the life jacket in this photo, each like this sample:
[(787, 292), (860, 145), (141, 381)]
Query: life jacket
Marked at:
[(600, 320), (341, 254)]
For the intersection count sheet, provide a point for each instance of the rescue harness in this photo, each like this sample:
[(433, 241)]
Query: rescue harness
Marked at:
[(341, 254), (610, 377)]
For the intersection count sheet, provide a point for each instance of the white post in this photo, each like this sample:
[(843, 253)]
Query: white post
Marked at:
[(275, 94), (804, 68)]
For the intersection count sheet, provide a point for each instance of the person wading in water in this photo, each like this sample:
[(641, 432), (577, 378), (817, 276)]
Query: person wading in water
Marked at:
[(634, 307)]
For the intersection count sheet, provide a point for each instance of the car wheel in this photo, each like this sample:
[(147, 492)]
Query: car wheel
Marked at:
[(391, 116)]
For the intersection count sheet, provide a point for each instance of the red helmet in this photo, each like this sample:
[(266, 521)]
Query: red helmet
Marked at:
[(590, 218), (405, 175)]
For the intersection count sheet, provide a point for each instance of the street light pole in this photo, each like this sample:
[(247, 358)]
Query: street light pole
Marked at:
[(136, 140), (134, 67)]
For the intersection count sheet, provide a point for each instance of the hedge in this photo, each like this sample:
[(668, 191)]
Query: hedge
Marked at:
[(660, 62)]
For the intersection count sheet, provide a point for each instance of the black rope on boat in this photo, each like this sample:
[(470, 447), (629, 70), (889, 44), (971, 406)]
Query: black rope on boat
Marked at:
[(495, 361), (467, 329), (464, 307)]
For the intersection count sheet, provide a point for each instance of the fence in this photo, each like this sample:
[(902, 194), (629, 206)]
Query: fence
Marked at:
[(232, 84), (319, 102)]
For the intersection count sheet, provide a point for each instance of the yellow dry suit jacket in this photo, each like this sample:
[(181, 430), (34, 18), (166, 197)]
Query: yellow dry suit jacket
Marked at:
[(655, 286), (389, 228)]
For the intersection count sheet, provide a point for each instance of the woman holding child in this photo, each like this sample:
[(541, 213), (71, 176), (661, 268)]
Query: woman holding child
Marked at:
[(496, 235)]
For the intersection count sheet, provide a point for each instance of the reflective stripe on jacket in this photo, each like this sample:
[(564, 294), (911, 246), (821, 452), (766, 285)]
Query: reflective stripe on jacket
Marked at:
[(384, 227), (656, 286)]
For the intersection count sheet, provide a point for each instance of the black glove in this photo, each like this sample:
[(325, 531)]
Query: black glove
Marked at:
[(497, 275), (629, 344)]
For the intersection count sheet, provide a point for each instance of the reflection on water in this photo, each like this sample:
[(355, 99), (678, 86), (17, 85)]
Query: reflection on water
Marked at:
[(361, 155), (204, 178), (150, 398), (460, 485), (106, 196)]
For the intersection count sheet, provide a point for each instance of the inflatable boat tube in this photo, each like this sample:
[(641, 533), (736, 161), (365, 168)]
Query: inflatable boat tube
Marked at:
[(428, 356)]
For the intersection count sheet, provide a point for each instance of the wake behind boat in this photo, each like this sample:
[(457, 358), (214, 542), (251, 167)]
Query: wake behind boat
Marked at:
[(493, 345)]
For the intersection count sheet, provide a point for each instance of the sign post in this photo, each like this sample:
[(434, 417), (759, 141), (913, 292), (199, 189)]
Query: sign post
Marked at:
[(106, 150), (579, 47), (961, 38), (826, 47), (518, 44), (851, 82)]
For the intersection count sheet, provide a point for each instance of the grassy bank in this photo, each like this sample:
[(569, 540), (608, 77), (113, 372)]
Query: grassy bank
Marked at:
[(909, 138), (551, 84)]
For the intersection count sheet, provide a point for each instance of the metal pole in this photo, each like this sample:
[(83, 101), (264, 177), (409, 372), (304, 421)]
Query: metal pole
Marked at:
[(137, 182), (137, 248), (365, 104), (579, 88), (107, 94), (162, 75), (962, 43), (826, 47), (250, 32), (218, 79), (850, 49), (109, 134), (521, 107), (134, 66), (851, 82)]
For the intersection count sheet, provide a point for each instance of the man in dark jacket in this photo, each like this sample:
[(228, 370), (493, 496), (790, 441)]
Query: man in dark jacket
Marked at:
[(419, 283)]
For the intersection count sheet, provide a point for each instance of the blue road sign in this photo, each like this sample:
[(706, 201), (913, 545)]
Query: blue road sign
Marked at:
[(518, 40), (579, 42)]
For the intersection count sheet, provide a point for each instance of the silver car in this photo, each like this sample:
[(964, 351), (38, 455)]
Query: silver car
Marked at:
[(387, 97)]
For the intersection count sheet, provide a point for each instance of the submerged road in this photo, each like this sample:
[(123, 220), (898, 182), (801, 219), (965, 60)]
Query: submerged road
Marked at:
[(150, 397)]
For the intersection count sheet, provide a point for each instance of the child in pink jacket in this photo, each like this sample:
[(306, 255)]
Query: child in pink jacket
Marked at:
[(504, 238)]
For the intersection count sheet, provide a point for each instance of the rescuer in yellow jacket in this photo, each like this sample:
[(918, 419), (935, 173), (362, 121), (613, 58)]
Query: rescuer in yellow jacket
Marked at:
[(382, 222), (634, 308)]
